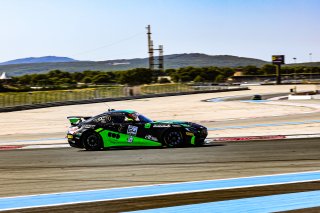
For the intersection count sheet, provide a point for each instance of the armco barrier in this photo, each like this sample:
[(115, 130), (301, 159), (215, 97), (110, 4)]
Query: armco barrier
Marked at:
[(65, 103)]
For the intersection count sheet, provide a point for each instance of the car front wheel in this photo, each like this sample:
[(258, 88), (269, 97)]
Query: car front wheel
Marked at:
[(173, 138)]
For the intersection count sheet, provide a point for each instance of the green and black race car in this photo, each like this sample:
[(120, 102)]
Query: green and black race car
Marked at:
[(127, 128)]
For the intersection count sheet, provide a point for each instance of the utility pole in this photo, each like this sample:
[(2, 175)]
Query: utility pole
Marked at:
[(161, 67), (150, 48), (160, 58), (151, 52)]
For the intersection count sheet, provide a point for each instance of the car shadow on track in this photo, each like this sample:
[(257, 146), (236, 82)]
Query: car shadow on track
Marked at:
[(152, 148)]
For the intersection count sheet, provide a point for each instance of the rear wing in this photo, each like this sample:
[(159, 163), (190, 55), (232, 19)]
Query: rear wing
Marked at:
[(75, 120)]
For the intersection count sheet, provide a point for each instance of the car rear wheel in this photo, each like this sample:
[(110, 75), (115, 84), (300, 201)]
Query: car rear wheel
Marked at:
[(92, 141), (173, 138)]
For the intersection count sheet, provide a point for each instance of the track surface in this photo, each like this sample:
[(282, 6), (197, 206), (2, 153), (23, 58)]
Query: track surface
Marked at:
[(26, 172)]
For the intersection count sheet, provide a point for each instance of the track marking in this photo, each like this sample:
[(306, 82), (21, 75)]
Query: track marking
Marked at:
[(49, 146), (10, 147), (64, 198)]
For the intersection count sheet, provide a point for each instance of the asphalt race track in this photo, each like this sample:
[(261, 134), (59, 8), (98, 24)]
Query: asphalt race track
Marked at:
[(38, 171)]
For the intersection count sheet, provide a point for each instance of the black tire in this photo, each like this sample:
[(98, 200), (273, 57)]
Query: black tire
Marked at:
[(92, 141), (173, 138), (200, 143)]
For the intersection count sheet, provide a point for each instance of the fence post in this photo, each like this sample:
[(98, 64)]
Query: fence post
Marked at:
[(30, 98), (70, 95), (95, 92)]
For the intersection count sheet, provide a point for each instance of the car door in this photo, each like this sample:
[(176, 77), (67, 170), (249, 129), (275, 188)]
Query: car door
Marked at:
[(122, 131), (138, 134)]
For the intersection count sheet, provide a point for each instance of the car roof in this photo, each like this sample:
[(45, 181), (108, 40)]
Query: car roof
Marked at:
[(122, 111)]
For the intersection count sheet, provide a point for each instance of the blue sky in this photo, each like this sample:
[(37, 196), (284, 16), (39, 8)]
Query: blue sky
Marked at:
[(115, 29)]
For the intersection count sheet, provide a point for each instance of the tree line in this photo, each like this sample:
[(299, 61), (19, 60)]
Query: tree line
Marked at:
[(140, 76)]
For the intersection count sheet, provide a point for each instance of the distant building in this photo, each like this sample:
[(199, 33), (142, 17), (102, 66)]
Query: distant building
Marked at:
[(4, 76), (238, 73)]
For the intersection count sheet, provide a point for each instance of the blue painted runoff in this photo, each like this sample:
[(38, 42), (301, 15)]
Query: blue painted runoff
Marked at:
[(142, 191), (264, 125), (264, 204)]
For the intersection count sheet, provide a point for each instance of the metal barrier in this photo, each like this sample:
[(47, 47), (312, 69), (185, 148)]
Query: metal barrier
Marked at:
[(54, 96)]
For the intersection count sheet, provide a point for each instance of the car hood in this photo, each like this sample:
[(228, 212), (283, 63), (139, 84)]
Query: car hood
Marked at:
[(176, 122), (170, 122)]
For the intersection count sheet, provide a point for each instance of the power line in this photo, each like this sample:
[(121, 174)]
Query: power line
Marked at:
[(109, 45)]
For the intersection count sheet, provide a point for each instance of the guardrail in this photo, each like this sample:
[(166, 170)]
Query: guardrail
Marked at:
[(40, 99)]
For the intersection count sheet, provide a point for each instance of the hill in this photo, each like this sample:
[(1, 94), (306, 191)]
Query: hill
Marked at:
[(44, 59), (171, 61), (308, 64)]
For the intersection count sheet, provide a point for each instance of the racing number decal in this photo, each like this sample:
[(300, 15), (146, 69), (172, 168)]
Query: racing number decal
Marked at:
[(132, 130), (130, 139)]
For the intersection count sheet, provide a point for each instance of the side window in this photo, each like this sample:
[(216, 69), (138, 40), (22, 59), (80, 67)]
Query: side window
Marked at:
[(118, 118), (128, 119), (131, 118)]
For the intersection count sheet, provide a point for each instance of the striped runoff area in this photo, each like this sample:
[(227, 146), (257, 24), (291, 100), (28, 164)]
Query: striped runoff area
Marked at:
[(31, 201)]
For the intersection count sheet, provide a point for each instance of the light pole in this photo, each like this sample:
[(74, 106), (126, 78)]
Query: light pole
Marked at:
[(310, 57), (295, 61)]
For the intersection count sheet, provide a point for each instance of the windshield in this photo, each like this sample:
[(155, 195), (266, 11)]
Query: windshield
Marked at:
[(144, 119)]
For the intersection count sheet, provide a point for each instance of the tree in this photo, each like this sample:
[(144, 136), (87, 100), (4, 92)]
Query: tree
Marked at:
[(170, 71), (227, 72), (136, 76), (220, 78), (198, 78), (77, 76), (101, 79), (24, 80), (164, 81), (174, 77), (2, 89), (251, 70), (268, 69), (87, 80)]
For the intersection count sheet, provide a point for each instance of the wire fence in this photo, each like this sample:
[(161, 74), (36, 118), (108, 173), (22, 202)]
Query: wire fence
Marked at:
[(10, 99)]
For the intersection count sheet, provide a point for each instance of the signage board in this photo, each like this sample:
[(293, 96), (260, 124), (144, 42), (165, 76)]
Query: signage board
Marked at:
[(278, 59)]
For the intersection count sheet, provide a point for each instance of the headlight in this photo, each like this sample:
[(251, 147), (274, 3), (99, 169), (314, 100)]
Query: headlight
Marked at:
[(204, 132)]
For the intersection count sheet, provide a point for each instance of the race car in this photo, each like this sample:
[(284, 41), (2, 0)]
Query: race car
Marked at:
[(127, 128)]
